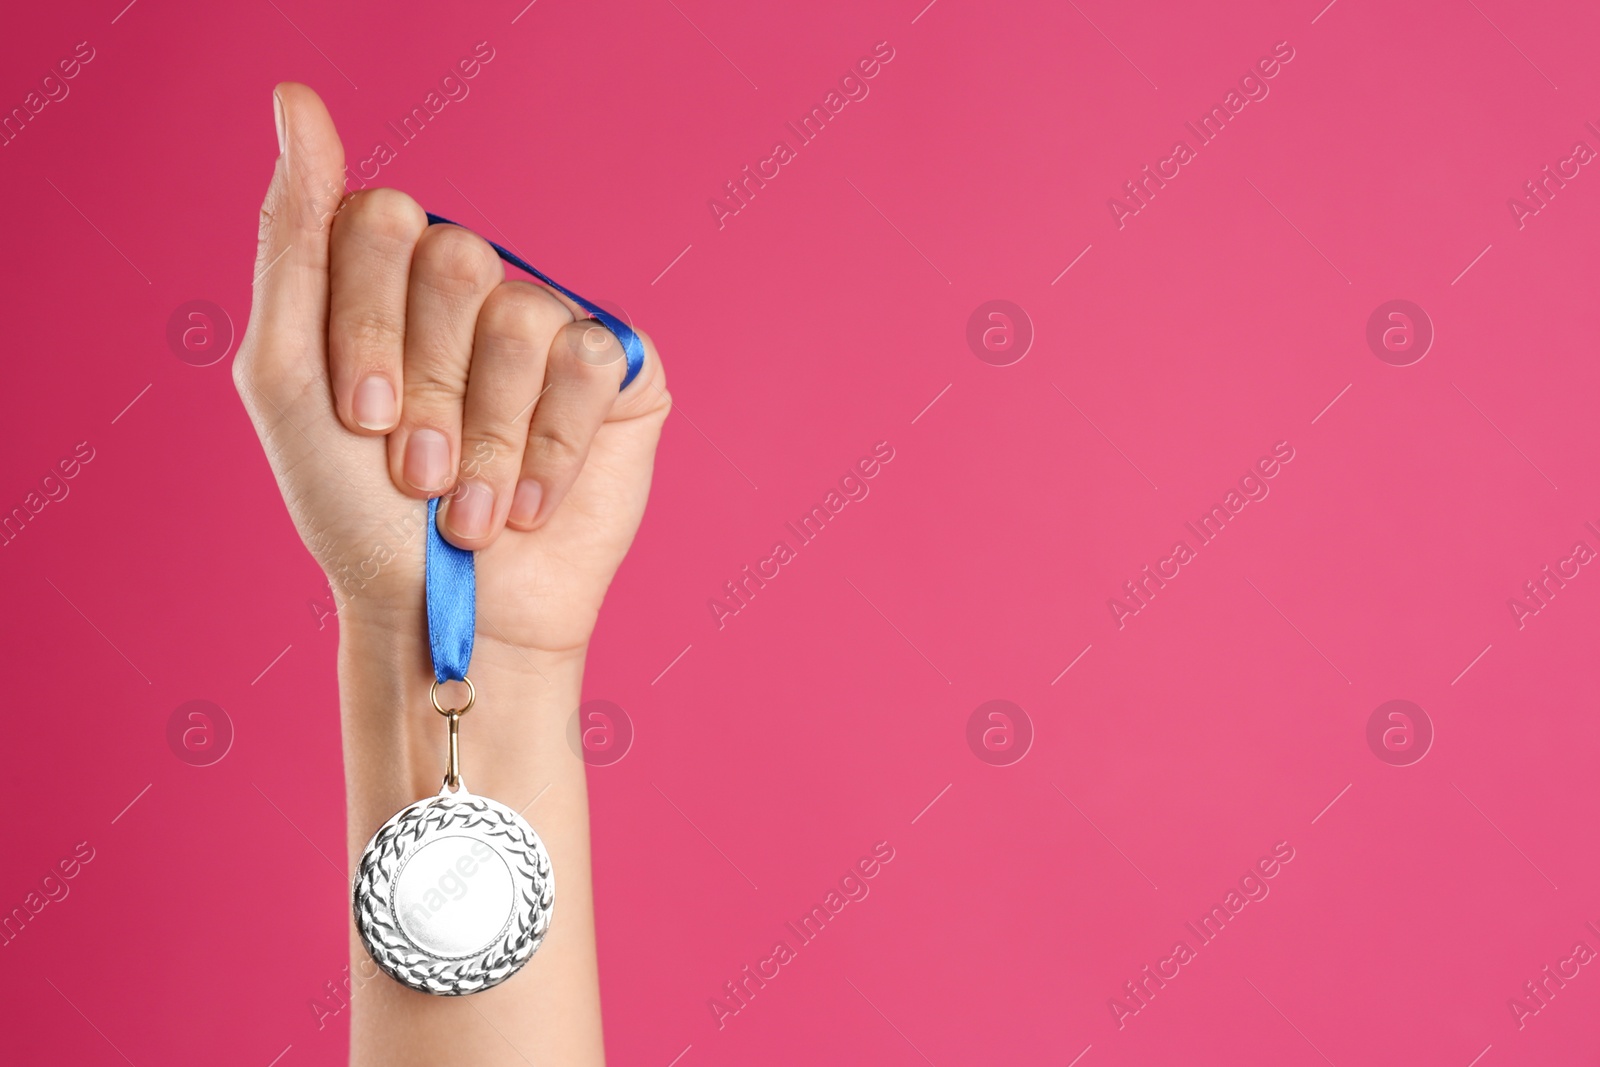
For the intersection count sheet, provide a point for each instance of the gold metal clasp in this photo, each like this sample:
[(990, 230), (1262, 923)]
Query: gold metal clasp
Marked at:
[(452, 774)]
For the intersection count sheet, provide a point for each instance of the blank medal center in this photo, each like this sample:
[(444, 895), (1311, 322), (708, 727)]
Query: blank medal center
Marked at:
[(453, 897)]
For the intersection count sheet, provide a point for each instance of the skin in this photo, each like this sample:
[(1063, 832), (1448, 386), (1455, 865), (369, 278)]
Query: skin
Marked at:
[(373, 338)]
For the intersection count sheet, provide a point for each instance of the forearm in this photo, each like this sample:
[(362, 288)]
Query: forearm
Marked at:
[(514, 750)]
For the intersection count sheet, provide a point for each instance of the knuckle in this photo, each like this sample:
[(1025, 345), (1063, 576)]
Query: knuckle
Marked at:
[(429, 396), (524, 312), (487, 448), (554, 448), (455, 259), (384, 216), (367, 333)]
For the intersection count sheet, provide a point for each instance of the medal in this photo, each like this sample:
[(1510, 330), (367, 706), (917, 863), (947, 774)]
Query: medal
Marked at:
[(454, 893)]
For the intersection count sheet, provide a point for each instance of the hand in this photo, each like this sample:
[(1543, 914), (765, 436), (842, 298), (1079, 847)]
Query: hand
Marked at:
[(388, 361)]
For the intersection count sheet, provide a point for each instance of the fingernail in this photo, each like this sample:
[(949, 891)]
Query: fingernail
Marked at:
[(374, 403), (525, 503), (277, 117), (471, 508), (427, 464)]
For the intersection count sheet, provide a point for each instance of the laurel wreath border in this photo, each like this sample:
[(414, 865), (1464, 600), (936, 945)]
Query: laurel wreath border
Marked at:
[(386, 855)]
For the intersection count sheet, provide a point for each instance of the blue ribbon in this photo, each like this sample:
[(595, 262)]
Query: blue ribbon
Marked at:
[(632, 347), (452, 588), (451, 582)]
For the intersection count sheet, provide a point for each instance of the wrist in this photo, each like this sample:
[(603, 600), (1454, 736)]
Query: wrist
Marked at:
[(513, 740), (380, 633)]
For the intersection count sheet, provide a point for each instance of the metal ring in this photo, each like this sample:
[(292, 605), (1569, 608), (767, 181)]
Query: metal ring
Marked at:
[(472, 698)]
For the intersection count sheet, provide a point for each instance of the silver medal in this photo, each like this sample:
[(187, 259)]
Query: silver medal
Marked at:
[(455, 892)]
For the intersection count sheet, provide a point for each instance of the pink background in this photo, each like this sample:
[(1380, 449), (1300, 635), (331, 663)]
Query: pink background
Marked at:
[(1229, 715)]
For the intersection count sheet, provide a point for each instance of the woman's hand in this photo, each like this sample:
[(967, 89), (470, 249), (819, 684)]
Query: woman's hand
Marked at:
[(388, 361)]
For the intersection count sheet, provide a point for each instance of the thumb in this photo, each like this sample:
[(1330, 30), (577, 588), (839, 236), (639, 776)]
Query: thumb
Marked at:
[(286, 339)]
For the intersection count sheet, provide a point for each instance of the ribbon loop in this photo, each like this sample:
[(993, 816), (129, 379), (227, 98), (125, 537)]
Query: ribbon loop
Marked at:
[(632, 346)]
